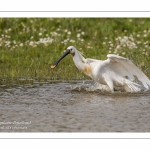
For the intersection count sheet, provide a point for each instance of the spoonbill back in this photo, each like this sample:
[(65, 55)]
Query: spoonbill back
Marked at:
[(115, 71)]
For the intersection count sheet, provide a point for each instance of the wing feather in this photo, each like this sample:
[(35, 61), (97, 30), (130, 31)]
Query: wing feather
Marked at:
[(89, 60), (125, 67)]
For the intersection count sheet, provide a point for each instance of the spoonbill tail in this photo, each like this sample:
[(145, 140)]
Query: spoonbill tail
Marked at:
[(115, 71)]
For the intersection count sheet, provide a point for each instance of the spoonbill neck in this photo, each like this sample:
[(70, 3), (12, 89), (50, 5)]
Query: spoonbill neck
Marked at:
[(79, 61)]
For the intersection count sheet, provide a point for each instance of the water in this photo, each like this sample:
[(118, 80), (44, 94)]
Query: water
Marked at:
[(66, 107)]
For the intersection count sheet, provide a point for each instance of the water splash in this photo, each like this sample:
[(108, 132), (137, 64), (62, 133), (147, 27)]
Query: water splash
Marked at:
[(91, 86)]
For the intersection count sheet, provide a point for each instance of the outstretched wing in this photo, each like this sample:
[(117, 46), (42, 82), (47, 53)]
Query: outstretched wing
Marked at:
[(89, 60), (126, 68)]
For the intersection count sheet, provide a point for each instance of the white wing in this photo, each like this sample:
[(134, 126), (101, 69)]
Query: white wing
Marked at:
[(126, 68), (89, 60)]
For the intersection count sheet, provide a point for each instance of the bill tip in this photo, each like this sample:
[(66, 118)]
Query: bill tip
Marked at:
[(52, 67)]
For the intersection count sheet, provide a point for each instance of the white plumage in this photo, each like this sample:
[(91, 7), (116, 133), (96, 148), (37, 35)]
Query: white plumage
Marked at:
[(116, 71)]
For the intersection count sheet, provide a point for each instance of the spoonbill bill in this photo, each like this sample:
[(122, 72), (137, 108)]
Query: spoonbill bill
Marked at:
[(115, 71)]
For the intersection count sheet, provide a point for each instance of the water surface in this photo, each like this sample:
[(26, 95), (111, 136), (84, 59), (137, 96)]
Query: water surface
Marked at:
[(66, 107)]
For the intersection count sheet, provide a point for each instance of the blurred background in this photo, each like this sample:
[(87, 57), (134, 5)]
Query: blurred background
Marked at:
[(28, 46)]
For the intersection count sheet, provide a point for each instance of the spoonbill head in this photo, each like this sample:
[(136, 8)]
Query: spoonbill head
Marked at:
[(70, 50), (115, 71), (78, 59)]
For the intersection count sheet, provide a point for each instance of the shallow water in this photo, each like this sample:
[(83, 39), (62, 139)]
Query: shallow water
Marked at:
[(66, 107)]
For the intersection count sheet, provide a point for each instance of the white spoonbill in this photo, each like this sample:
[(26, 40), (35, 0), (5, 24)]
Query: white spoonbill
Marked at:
[(116, 71)]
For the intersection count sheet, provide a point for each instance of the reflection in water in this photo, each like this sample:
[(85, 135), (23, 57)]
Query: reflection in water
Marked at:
[(65, 107)]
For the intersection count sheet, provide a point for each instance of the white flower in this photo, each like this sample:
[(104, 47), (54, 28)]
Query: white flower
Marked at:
[(21, 44), (138, 42), (66, 30), (65, 40), (9, 29), (40, 34), (115, 52), (89, 47), (118, 46), (31, 43), (119, 37), (69, 32), (78, 35), (54, 33), (72, 41), (14, 41), (145, 42), (147, 53), (34, 45), (131, 37), (111, 45), (7, 42), (125, 37)]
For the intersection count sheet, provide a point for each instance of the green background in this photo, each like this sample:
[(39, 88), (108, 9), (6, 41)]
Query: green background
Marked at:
[(28, 46)]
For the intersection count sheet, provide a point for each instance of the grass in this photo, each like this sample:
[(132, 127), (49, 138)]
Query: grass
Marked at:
[(28, 46)]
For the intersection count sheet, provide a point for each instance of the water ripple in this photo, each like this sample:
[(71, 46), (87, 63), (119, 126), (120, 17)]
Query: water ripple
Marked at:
[(66, 107)]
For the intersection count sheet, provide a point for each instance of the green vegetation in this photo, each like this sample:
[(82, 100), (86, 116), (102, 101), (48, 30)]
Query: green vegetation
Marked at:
[(28, 46)]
